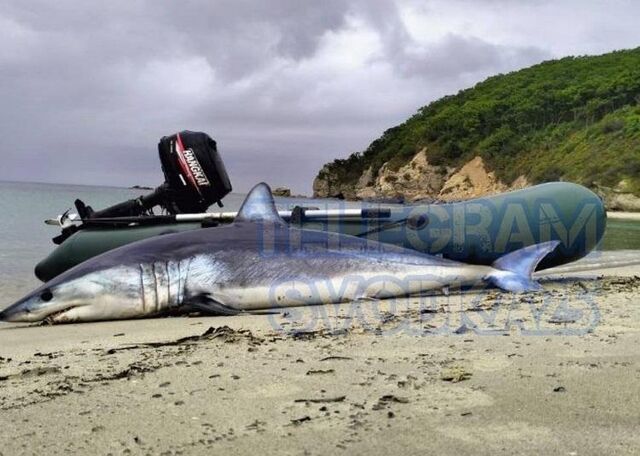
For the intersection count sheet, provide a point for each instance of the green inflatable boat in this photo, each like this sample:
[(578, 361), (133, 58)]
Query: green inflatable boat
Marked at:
[(474, 231)]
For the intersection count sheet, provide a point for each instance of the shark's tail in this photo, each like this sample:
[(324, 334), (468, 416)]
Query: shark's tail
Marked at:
[(512, 272)]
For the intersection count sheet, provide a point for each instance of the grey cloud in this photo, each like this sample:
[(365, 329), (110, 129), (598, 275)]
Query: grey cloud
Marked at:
[(452, 56), (88, 88), (458, 55)]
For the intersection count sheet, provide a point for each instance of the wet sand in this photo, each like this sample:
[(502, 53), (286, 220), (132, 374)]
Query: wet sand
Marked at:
[(479, 373)]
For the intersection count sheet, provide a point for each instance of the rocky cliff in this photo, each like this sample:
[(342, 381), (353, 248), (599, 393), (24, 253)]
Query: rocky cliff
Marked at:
[(418, 180)]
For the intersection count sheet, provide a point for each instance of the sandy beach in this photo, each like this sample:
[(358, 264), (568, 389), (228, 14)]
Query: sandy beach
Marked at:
[(478, 373)]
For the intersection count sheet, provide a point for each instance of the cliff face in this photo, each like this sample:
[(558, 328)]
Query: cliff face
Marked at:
[(417, 180), (330, 185), (421, 181)]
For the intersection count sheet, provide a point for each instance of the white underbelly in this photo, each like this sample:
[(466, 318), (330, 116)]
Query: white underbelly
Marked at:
[(405, 281)]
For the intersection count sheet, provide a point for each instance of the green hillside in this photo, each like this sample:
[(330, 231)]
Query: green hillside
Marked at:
[(575, 119)]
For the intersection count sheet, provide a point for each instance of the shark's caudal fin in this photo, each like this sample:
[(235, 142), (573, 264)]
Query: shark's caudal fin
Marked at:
[(513, 271), (259, 206)]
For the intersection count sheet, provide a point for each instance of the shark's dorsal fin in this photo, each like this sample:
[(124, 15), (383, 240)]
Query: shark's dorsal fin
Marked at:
[(259, 206)]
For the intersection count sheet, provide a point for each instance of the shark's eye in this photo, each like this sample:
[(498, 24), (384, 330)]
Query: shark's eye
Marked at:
[(46, 295)]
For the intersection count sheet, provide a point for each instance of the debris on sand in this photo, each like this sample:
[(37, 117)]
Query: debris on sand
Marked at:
[(455, 374), (322, 400), (387, 399), (225, 333), (298, 421), (320, 371), (311, 335), (331, 358)]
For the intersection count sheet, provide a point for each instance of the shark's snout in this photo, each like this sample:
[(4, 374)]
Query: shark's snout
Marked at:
[(13, 313), (16, 312), (36, 306), (96, 295)]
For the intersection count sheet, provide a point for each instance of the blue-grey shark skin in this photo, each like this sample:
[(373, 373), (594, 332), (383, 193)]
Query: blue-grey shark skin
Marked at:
[(258, 262)]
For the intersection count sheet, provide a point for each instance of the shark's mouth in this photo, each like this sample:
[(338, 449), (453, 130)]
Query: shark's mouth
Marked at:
[(55, 317)]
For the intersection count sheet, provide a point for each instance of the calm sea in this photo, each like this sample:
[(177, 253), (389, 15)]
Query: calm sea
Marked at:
[(25, 239)]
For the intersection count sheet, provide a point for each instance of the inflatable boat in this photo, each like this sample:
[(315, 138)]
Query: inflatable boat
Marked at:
[(473, 231)]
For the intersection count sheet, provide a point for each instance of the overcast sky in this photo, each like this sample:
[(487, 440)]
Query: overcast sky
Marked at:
[(88, 88)]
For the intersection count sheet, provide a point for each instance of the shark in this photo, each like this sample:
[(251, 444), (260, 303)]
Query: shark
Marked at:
[(257, 263)]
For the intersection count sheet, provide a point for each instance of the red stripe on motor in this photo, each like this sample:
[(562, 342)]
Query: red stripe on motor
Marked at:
[(183, 164)]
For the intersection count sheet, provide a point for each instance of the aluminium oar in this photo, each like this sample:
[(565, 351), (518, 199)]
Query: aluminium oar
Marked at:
[(65, 220)]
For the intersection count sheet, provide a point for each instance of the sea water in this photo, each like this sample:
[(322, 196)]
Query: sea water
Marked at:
[(25, 239)]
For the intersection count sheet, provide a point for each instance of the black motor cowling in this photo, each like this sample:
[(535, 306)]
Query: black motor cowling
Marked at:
[(193, 171)]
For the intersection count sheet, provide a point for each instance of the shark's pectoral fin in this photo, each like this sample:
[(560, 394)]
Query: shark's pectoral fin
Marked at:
[(207, 304)]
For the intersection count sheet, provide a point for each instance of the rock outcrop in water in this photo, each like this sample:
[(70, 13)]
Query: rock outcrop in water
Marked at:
[(282, 191), (619, 198)]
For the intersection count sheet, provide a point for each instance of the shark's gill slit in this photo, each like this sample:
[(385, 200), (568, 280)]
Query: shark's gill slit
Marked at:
[(166, 266), (155, 284), (142, 297)]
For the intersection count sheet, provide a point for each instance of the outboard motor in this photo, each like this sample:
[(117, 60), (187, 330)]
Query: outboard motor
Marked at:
[(195, 178)]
